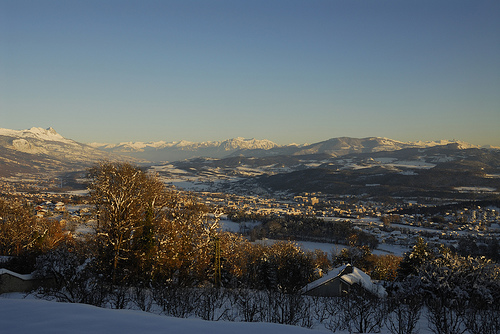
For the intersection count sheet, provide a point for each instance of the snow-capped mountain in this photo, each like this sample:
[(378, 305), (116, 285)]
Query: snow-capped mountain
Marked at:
[(230, 144), (35, 140), (181, 150), (346, 145), (440, 171), (38, 150)]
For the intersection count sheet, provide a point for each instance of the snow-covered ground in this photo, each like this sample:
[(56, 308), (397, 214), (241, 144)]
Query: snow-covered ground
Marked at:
[(230, 226), (28, 316), (414, 164), (382, 249), (43, 317), (475, 189)]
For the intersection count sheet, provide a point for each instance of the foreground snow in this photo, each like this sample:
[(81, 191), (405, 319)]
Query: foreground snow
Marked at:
[(44, 317), (28, 316)]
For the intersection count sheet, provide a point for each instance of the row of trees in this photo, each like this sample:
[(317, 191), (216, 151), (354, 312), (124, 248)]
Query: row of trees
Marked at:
[(146, 232), (306, 228), (455, 294)]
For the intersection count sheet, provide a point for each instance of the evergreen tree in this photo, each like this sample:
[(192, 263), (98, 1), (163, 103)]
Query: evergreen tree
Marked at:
[(412, 261)]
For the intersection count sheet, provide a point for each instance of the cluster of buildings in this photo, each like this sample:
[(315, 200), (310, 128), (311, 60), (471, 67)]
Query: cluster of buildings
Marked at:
[(373, 217), (377, 218)]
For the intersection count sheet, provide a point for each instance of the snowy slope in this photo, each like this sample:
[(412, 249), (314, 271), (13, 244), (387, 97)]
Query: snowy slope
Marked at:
[(47, 142), (29, 316), (36, 133), (38, 150)]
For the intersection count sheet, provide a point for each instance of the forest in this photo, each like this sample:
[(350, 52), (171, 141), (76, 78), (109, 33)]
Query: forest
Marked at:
[(156, 249)]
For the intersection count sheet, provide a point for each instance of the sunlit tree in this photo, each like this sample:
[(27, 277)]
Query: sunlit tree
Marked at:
[(21, 231), (128, 204)]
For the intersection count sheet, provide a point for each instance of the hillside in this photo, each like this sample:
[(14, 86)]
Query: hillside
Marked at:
[(447, 171), (38, 150)]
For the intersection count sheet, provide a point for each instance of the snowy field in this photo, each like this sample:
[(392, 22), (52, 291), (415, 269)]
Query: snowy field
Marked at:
[(28, 316), (382, 249), (230, 226), (43, 317), (475, 189)]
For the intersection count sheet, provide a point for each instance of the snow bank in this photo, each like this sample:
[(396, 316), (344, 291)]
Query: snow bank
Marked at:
[(27, 316)]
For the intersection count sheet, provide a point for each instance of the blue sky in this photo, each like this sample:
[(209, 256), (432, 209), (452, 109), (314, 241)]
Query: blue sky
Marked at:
[(288, 71)]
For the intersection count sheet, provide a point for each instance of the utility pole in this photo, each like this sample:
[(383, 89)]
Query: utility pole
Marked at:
[(217, 263)]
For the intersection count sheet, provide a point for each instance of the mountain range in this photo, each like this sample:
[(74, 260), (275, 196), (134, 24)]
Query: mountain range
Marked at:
[(344, 165), (174, 151), (445, 171), (39, 150)]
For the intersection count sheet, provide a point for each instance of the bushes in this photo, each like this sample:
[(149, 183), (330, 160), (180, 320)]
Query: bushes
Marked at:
[(70, 277), (75, 278), (404, 308), (22, 233), (460, 293), (356, 312)]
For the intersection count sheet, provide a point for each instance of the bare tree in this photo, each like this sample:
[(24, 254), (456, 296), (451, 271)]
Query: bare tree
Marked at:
[(184, 242), (127, 202), (21, 231), (177, 301), (362, 312), (250, 304), (404, 310)]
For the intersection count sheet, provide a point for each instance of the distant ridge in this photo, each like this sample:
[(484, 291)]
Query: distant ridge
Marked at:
[(39, 150), (180, 150), (234, 143), (175, 151)]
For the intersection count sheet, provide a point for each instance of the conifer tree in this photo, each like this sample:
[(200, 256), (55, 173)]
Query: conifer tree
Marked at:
[(412, 261)]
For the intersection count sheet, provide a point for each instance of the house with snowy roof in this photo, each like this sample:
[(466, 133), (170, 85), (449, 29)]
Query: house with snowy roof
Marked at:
[(339, 282), (14, 282)]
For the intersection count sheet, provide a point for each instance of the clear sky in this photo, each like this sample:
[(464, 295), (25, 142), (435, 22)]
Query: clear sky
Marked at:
[(288, 71)]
